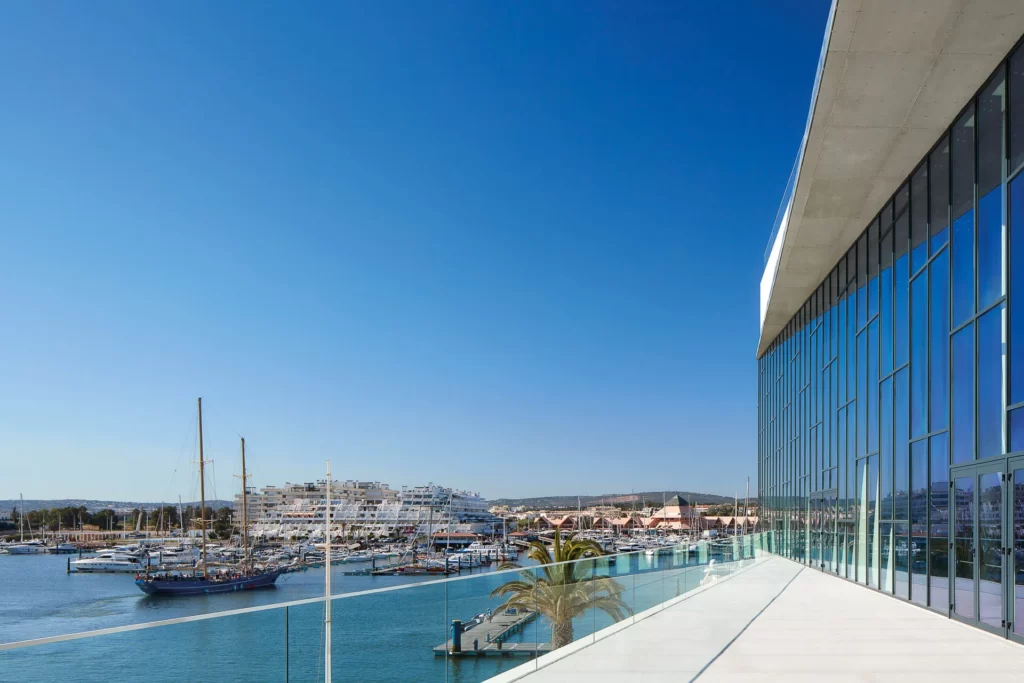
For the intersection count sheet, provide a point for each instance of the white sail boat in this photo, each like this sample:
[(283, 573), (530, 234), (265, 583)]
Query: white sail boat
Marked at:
[(23, 547)]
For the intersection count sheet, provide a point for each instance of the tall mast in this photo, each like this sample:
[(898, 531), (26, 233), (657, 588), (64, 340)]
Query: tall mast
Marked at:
[(746, 506), (449, 546), (327, 582), (202, 487), (245, 511), (21, 516)]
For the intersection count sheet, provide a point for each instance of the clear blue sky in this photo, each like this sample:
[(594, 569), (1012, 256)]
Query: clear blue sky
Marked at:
[(510, 247)]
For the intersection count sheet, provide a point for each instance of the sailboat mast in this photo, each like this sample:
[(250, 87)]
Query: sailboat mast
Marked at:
[(21, 516), (202, 487), (245, 510), (327, 581), (746, 506)]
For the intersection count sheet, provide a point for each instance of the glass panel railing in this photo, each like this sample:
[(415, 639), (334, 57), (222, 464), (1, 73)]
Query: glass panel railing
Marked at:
[(465, 629)]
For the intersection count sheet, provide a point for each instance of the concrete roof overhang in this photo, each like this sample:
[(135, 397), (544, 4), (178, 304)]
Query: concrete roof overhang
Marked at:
[(895, 73)]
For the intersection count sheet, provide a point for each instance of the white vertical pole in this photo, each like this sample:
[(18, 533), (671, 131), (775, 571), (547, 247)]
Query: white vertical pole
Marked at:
[(327, 583)]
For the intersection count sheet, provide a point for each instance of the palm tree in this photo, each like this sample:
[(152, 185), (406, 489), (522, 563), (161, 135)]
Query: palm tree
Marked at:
[(564, 588)]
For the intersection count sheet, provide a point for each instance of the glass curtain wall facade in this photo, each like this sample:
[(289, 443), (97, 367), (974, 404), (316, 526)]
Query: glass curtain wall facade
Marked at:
[(891, 409)]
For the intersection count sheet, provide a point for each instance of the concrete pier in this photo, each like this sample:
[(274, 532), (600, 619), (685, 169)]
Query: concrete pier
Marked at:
[(490, 637)]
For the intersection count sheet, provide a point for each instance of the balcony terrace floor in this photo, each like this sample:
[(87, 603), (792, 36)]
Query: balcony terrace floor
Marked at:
[(780, 621)]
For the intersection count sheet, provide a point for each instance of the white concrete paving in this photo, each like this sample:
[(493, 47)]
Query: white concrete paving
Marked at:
[(781, 622)]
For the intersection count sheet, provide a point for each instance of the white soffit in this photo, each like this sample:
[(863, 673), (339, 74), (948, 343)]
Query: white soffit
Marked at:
[(896, 73)]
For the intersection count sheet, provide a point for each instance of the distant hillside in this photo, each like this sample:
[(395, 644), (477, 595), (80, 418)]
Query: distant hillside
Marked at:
[(653, 497), (94, 506)]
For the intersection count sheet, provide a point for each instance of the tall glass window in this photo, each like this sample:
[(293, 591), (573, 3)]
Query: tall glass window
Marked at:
[(1016, 420), (873, 555), (873, 269), (862, 393), (901, 291), (841, 391), (885, 474), (919, 356), (851, 326), (919, 521), (938, 273), (1016, 299), (919, 218), (938, 201), (963, 395), (1016, 68), (991, 407), (938, 522), (885, 306), (990, 196), (862, 281), (872, 387), (909, 357), (963, 218)]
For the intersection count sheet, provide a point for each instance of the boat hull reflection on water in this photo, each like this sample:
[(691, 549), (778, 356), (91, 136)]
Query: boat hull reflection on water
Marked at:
[(197, 585)]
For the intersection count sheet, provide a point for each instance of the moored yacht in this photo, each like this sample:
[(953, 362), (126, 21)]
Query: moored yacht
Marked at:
[(27, 548), (109, 564)]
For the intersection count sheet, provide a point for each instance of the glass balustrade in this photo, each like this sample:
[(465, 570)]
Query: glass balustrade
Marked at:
[(462, 629)]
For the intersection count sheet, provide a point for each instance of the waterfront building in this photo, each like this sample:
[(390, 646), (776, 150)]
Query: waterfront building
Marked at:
[(263, 503), (676, 514), (365, 509), (6, 516), (891, 352)]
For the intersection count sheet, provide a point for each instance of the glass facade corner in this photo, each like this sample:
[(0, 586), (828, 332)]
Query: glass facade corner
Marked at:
[(891, 408)]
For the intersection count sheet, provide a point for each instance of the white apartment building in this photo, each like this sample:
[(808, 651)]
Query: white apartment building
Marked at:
[(361, 509)]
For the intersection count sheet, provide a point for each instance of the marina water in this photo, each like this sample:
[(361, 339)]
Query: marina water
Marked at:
[(386, 636)]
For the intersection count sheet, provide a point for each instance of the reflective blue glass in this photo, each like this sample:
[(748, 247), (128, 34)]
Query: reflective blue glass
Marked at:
[(1016, 293), (841, 356), (938, 521), (872, 297), (990, 383), (919, 356), (862, 393), (963, 268), (901, 311), (851, 348), (851, 442), (919, 217), (938, 356), (1016, 419), (872, 387), (885, 475), (862, 306), (885, 321), (901, 435), (919, 521), (862, 282), (963, 395), (938, 189), (990, 248), (841, 439), (872, 516)]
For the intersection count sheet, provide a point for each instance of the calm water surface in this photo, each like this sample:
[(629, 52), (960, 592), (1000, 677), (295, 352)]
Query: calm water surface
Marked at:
[(382, 637)]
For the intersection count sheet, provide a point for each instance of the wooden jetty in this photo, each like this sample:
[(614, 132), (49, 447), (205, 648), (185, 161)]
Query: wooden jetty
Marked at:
[(483, 637)]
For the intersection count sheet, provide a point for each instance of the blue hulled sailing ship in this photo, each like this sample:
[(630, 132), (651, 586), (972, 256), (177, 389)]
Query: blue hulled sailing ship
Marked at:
[(245, 577)]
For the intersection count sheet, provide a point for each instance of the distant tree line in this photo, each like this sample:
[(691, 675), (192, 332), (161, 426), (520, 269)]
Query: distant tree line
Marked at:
[(165, 518)]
